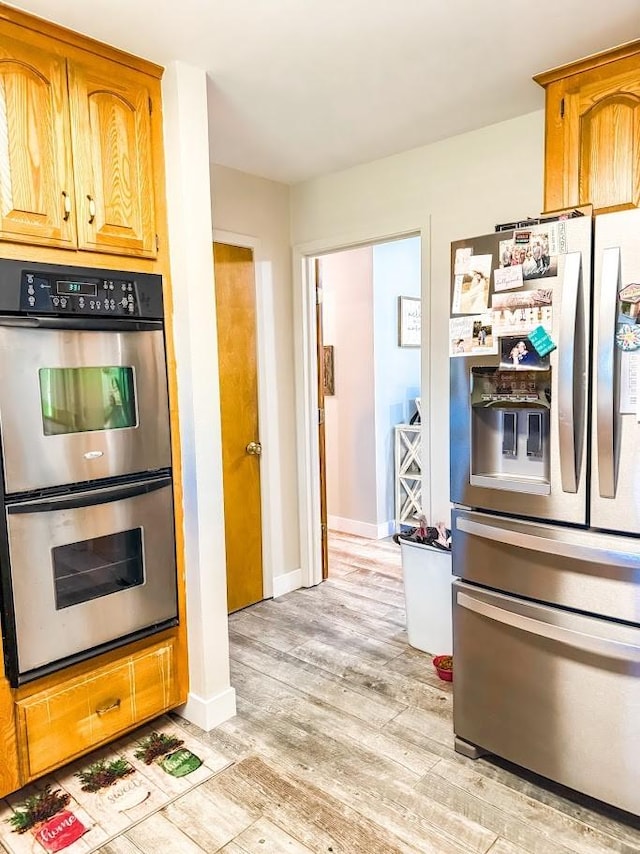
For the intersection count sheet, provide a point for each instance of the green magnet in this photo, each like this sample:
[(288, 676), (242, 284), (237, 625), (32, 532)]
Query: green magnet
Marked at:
[(541, 341)]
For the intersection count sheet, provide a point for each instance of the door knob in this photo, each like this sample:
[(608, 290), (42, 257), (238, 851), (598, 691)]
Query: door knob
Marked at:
[(254, 448)]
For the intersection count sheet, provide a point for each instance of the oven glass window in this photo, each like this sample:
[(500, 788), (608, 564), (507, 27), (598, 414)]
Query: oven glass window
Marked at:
[(94, 568), (76, 400)]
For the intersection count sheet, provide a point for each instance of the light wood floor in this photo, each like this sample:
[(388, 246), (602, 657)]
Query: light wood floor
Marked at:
[(343, 743)]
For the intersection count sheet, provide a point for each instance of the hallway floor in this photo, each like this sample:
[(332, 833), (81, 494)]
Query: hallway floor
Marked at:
[(343, 743)]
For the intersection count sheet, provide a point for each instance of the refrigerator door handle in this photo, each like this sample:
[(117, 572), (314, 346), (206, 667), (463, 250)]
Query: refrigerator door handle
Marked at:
[(567, 373), (603, 646), (540, 543), (605, 393)]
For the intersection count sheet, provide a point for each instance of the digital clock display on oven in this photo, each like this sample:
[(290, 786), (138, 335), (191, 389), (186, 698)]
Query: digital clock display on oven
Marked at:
[(85, 289)]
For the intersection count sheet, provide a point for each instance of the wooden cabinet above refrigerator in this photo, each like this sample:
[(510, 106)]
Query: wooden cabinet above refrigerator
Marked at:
[(592, 131)]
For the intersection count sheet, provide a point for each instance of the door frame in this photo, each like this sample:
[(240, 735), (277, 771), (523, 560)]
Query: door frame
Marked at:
[(270, 499), (306, 377)]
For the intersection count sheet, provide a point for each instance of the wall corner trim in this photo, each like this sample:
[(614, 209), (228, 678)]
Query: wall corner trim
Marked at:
[(208, 714), (286, 583)]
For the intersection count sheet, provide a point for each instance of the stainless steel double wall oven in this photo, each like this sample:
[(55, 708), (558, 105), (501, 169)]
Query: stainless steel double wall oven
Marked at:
[(87, 545)]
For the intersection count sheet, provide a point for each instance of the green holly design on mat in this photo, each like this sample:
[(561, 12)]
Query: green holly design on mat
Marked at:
[(169, 753), (101, 774)]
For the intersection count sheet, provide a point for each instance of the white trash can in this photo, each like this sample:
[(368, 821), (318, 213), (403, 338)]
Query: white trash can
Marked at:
[(427, 592)]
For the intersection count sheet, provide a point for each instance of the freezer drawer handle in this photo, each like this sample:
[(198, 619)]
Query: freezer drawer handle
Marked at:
[(539, 543), (567, 373), (605, 414), (589, 643)]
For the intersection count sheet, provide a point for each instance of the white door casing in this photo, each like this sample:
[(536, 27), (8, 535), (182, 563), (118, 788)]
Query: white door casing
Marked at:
[(306, 371)]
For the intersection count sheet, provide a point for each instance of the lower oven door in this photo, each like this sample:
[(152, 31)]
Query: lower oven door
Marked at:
[(551, 690), (88, 571)]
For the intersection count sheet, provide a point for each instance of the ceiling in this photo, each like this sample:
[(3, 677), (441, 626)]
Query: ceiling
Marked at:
[(299, 88)]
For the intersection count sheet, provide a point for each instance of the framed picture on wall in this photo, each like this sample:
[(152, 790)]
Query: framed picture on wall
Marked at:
[(409, 316), (328, 371)]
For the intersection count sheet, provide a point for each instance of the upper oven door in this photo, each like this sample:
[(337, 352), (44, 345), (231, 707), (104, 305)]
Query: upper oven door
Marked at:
[(80, 404)]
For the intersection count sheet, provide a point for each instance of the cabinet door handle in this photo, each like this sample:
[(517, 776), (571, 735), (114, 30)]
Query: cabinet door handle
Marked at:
[(92, 209), (111, 706), (67, 205)]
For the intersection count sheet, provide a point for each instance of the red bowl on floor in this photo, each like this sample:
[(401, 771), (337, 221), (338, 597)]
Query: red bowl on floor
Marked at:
[(445, 673)]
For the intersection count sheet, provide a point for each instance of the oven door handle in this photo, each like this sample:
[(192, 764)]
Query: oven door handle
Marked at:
[(99, 324), (89, 499)]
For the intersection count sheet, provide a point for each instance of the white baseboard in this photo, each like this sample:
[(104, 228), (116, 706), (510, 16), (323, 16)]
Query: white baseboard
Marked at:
[(361, 529), (208, 714), (386, 529), (286, 583)]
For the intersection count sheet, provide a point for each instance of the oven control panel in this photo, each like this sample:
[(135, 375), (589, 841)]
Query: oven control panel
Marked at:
[(65, 293)]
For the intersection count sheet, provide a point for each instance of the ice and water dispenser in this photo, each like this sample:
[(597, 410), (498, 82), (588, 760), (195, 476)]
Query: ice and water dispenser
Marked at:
[(510, 429)]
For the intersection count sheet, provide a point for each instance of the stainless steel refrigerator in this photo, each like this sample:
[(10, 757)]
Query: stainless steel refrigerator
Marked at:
[(545, 479)]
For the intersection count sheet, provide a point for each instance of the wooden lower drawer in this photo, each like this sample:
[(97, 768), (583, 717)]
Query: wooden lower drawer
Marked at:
[(70, 719)]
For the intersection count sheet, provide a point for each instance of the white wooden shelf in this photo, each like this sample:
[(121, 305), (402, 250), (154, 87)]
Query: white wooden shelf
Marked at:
[(408, 474)]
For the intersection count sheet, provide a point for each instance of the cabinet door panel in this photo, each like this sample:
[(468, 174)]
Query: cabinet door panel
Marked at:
[(35, 153), (112, 158), (611, 125), (608, 155)]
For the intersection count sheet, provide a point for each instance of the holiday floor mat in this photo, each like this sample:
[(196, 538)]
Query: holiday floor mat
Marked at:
[(83, 805)]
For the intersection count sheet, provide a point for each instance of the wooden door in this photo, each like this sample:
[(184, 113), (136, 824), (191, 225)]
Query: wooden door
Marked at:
[(36, 184), (110, 117), (321, 424), (236, 319)]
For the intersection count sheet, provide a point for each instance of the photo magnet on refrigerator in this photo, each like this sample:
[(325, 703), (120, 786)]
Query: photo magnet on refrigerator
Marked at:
[(628, 327)]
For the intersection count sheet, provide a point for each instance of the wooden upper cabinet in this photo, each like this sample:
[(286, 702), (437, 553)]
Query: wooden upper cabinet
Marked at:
[(111, 131), (76, 142), (36, 182), (592, 132)]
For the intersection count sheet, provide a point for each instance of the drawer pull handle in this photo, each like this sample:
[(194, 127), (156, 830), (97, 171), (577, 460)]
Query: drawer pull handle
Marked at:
[(112, 706)]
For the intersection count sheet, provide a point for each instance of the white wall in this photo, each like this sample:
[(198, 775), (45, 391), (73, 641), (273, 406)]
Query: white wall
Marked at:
[(451, 189), (396, 272), (448, 190), (247, 205), (347, 284)]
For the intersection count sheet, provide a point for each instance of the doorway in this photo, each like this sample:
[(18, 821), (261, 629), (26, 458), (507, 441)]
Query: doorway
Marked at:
[(372, 379), (236, 315)]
